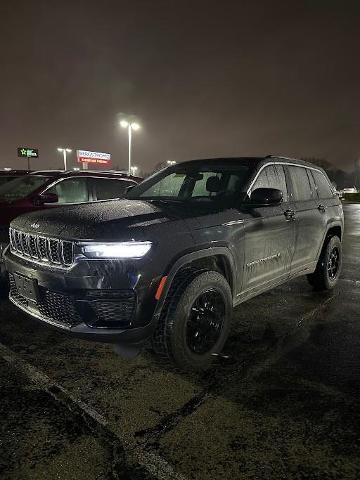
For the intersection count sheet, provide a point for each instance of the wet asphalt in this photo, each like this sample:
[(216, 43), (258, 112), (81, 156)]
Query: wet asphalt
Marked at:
[(283, 405)]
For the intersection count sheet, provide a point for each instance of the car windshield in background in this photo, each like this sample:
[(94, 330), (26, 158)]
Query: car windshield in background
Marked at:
[(191, 184), (21, 187)]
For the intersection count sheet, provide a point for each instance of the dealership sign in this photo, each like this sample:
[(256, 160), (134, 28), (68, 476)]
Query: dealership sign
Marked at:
[(27, 152), (99, 158)]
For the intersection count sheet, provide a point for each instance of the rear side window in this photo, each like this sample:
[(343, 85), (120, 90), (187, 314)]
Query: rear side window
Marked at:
[(71, 190), (301, 185), (272, 176), (322, 185), (107, 188)]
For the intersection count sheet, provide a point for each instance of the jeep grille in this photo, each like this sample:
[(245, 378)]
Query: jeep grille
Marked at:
[(48, 251)]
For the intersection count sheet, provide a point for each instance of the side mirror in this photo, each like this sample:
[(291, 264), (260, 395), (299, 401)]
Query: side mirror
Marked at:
[(46, 197), (263, 197)]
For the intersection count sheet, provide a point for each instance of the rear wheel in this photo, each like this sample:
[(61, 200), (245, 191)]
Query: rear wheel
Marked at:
[(329, 265), (196, 322)]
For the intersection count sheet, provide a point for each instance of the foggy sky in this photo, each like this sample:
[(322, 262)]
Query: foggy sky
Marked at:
[(205, 78)]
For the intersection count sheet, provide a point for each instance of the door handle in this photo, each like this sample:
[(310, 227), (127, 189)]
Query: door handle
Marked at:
[(321, 208), (289, 214)]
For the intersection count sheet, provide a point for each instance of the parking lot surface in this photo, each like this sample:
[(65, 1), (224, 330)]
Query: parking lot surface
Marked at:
[(282, 403)]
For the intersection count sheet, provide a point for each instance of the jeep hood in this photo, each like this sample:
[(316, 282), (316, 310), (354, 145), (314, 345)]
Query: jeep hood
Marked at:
[(105, 221)]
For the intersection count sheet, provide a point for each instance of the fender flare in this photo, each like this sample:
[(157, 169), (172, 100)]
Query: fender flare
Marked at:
[(329, 226), (188, 258)]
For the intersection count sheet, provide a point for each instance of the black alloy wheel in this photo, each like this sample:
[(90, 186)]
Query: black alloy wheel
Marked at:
[(333, 263), (196, 321), (205, 322)]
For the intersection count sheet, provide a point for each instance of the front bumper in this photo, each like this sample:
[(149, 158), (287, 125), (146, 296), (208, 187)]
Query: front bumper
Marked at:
[(95, 300)]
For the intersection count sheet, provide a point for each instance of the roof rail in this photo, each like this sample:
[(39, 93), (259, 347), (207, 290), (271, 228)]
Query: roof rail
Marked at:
[(282, 157)]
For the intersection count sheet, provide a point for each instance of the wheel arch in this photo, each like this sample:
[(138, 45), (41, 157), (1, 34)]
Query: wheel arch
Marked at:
[(218, 259), (334, 230)]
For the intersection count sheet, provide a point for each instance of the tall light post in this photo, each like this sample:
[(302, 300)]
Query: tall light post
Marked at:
[(130, 127), (64, 152)]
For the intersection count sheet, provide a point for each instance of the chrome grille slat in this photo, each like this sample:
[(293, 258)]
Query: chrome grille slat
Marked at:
[(47, 251)]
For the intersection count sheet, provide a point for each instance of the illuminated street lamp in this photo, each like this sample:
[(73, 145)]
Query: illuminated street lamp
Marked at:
[(134, 169), (64, 152), (130, 127), (170, 162)]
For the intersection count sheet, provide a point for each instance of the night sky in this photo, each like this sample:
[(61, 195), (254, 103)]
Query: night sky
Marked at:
[(205, 78)]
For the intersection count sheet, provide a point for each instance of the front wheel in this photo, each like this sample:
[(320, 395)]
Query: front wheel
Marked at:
[(328, 267), (196, 323)]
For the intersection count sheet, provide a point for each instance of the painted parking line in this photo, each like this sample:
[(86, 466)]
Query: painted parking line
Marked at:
[(153, 463)]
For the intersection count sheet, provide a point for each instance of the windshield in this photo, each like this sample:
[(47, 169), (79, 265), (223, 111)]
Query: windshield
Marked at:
[(21, 187), (194, 184)]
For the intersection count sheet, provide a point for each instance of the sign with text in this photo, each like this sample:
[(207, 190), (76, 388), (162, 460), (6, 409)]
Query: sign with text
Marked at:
[(98, 158), (27, 152)]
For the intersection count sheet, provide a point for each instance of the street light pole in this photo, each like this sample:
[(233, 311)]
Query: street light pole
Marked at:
[(64, 151), (130, 139), (130, 127)]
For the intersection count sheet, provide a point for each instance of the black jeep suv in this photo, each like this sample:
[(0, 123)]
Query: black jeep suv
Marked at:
[(168, 263)]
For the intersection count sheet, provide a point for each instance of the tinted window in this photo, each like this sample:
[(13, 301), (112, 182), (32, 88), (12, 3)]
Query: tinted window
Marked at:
[(71, 190), (272, 176), (301, 185), (281, 179), (322, 185), (107, 188)]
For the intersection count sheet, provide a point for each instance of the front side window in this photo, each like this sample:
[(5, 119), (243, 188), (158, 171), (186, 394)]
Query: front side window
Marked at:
[(21, 187), (108, 188), (272, 176), (322, 185), (190, 183), (71, 190), (300, 182)]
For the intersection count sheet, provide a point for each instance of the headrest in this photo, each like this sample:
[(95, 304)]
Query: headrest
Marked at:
[(213, 184)]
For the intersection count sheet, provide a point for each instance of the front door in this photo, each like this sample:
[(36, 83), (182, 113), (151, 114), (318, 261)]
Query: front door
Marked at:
[(269, 235)]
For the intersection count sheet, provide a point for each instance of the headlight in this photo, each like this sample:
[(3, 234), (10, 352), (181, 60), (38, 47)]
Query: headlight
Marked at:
[(116, 250)]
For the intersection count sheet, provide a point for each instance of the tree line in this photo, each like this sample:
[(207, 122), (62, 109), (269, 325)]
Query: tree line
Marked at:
[(340, 178)]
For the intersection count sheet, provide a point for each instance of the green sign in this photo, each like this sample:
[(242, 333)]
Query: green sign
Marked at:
[(28, 152)]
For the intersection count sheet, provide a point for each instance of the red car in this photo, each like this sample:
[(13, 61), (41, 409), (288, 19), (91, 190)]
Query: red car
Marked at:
[(49, 189)]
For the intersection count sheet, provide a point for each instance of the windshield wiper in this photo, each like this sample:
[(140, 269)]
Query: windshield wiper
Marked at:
[(165, 200)]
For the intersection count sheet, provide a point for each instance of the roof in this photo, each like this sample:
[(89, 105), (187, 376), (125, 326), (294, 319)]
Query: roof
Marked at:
[(14, 172), (248, 160), (86, 173)]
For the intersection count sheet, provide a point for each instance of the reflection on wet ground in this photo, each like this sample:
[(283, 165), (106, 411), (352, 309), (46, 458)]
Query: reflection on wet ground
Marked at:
[(284, 405)]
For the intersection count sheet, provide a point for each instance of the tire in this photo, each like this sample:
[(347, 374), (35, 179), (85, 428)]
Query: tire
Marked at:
[(196, 321), (328, 268)]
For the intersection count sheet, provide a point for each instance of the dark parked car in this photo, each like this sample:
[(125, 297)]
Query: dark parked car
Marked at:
[(49, 189), (169, 262)]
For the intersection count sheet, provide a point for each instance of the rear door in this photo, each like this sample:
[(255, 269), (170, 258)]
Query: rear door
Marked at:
[(328, 206), (269, 234), (308, 229)]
